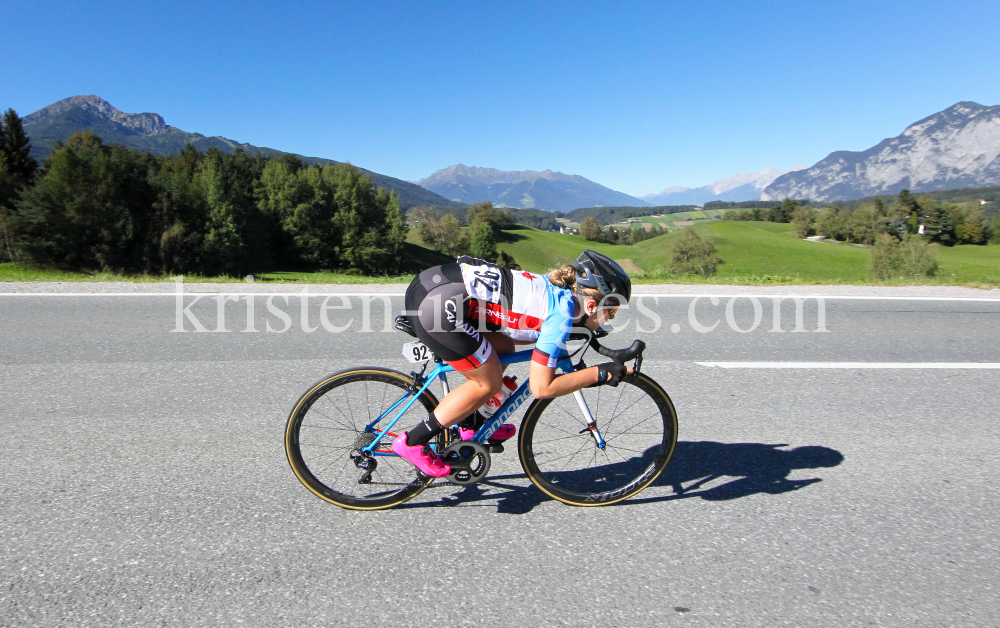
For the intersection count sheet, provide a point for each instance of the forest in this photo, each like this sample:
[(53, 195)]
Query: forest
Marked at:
[(106, 207)]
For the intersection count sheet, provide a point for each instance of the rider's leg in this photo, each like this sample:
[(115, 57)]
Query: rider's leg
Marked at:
[(483, 382), (502, 344)]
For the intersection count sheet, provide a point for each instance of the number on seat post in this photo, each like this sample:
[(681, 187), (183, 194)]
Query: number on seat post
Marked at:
[(416, 352)]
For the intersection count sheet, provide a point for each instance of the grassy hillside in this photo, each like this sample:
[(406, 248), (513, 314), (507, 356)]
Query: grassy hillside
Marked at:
[(969, 264), (765, 248), (753, 250), (538, 251), (749, 248)]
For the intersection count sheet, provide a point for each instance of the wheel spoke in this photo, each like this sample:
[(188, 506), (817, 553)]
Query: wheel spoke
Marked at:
[(328, 431), (631, 428), (640, 424)]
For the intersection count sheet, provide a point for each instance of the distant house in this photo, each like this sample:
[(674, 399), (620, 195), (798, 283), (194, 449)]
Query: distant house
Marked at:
[(983, 201), (657, 215)]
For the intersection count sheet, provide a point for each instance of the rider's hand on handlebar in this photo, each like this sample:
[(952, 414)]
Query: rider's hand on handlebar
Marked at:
[(611, 373)]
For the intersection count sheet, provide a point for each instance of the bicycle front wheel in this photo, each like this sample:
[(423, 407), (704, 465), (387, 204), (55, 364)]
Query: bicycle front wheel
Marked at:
[(561, 455), (338, 416)]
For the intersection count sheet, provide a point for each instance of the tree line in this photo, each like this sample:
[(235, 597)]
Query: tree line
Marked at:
[(935, 221), (97, 206), (962, 195), (902, 233), (743, 204), (540, 219), (445, 233), (609, 215), (591, 230), (785, 212)]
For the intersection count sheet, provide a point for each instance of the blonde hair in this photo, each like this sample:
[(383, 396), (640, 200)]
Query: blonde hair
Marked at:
[(565, 277)]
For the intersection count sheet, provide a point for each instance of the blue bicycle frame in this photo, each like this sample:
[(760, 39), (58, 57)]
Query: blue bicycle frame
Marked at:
[(483, 433)]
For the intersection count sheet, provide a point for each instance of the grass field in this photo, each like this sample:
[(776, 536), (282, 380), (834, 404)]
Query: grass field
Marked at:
[(666, 219), (765, 248), (754, 252)]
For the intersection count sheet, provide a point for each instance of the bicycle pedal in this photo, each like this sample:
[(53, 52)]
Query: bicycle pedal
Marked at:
[(494, 447)]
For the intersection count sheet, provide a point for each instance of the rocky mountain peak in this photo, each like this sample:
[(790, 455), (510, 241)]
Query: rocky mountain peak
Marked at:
[(143, 123), (954, 148)]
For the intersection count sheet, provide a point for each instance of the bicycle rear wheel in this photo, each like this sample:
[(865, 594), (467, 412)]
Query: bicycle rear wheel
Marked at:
[(328, 426), (562, 458)]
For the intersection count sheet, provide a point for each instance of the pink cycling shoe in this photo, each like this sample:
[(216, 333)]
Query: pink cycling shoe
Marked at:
[(504, 432), (421, 456)]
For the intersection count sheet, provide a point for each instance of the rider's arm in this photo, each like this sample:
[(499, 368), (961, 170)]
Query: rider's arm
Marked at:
[(542, 379), (544, 383)]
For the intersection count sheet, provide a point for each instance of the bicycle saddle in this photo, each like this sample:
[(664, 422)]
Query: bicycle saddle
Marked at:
[(403, 325)]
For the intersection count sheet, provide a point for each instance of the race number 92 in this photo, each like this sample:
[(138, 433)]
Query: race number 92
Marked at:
[(416, 352)]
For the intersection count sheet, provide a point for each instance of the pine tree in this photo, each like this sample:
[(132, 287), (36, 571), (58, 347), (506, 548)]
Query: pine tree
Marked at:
[(17, 172), (906, 201), (937, 226), (91, 208), (16, 149)]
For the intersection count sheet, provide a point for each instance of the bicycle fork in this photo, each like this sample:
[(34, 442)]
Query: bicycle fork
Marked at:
[(595, 433)]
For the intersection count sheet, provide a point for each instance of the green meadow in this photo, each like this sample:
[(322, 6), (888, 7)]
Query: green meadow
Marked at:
[(670, 220), (667, 220), (754, 253)]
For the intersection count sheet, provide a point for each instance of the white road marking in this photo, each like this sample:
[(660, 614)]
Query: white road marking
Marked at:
[(852, 365)]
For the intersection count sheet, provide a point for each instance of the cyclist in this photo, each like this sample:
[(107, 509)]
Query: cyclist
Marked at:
[(470, 311)]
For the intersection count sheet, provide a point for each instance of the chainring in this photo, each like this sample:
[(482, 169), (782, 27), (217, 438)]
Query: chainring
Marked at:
[(469, 460)]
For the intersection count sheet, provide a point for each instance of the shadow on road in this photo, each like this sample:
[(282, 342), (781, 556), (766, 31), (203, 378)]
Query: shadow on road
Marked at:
[(694, 471)]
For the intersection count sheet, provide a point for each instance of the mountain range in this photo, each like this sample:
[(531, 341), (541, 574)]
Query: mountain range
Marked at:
[(745, 186), (524, 189), (149, 132), (955, 148)]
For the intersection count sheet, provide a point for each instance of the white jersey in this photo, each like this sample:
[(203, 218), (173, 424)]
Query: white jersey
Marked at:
[(522, 305), (516, 301)]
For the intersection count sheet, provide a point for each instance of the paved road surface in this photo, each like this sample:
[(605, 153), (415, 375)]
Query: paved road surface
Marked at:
[(143, 480)]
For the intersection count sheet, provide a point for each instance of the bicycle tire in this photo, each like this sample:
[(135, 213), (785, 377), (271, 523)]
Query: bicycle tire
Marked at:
[(549, 431), (320, 436)]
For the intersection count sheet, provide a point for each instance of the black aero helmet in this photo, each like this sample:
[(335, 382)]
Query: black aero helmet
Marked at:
[(603, 274)]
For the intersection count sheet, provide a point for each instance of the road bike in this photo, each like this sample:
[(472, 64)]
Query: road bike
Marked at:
[(595, 447)]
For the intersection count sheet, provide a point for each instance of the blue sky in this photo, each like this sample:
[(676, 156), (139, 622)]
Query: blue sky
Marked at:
[(636, 96)]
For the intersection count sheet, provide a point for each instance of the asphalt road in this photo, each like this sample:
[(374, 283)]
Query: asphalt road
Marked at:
[(143, 479)]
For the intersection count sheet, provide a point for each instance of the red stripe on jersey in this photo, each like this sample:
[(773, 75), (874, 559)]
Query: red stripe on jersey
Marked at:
[(541, 357), (495, 314)]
